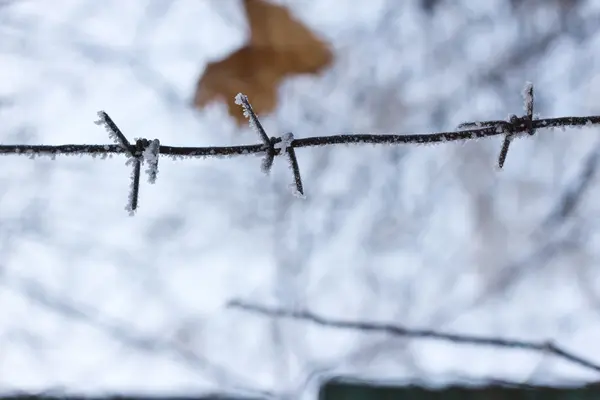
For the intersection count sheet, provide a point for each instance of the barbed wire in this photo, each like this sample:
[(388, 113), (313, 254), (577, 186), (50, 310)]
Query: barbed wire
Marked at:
[(146, 151)]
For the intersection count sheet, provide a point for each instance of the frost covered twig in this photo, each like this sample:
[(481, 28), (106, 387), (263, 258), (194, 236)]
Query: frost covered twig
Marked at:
[(128, 335), (398, 330), (149, 151)]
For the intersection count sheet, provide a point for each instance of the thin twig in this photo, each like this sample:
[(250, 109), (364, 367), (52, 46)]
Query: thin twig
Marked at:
[(271, 147), (117, 330), (573, 195), (398, 330)]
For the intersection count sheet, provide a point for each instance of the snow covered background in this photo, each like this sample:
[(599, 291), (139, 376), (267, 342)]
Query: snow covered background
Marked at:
[(93, 300)]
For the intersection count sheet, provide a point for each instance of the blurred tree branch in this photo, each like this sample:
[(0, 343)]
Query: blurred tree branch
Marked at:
[(118, 331), (398, 330)]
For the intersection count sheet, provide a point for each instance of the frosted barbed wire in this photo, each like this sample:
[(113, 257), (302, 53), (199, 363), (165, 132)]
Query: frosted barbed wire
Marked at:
[(286, 141), (113, 131), (267, 161), (270, 152), (151, 150), (242, 100), (151, 154), (134, 187), (528, 98), (286, 146)]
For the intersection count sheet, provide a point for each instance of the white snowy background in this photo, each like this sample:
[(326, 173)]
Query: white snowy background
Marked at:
[(95, 301)]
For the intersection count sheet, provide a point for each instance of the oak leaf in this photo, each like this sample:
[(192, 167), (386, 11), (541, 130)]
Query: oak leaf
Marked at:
[(279, 46)]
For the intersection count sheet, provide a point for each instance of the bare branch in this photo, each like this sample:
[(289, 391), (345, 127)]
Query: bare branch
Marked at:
[(573, 195), (397, 330), (120, 332)]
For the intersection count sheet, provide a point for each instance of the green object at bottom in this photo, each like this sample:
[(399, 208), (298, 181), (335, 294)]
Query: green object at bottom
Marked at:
[(355, 391)]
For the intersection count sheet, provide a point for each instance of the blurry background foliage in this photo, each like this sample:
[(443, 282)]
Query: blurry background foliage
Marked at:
[(426, 236)]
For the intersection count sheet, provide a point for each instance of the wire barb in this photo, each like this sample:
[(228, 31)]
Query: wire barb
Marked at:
[(272, 146), (528, 100), (151, 155), (149, 151), (242, 99), (512, 127), (255, 125), (113, 131), (137, 159), (267, 161), (504, 151), (287, 145), (134, 190), (509, 133)]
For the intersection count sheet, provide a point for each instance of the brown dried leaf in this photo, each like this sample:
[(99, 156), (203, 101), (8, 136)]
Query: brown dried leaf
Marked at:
[(279, 46)]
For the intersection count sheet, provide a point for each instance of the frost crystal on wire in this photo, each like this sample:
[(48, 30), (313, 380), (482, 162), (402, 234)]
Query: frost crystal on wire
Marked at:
[(113, 130), (528, 106), (267, 161), (134, 188), (528, 97), (101, 118), (148, 151), (151, 154), (255, 125), (295, 192), (286, 141)]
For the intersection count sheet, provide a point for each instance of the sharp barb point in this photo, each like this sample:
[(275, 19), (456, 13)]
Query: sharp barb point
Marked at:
[(134, 191), (299, 187), (113, 131), (267, 161), (242, 99), (151, 155), (504, 151)]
